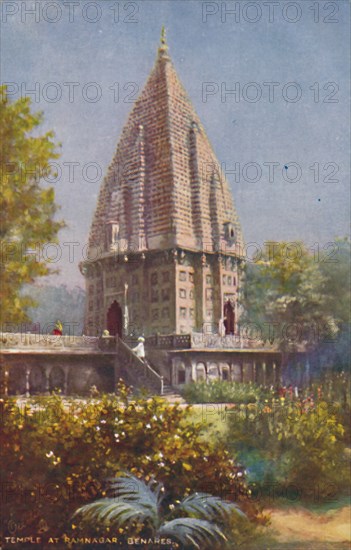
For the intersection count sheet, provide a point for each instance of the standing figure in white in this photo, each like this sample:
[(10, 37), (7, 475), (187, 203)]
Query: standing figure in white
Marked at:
[(139, 350)]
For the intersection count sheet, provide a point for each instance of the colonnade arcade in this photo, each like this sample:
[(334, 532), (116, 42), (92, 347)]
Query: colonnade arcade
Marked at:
[(261, 369)]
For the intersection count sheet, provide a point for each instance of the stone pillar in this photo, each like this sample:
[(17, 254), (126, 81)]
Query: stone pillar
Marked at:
[(65, 384), (194, 370), (264, 374), (27, 382), (6, 382), (126, 312), (47, 380), (171, 373), (274, 372)]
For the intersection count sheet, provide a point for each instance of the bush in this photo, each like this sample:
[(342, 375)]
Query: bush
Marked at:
[(221, 391), (56, 454), (334, 387), (291, 443)]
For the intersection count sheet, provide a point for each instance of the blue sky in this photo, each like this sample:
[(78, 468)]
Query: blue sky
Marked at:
[(304, 43)]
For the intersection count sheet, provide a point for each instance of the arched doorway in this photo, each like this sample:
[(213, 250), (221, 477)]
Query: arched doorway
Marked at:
[(115, 319), (200, 372), (181, 373), (225, 371), (229, 318)]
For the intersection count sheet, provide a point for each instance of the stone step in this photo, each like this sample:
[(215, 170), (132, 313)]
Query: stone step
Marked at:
[(171, 394), (169, 389)]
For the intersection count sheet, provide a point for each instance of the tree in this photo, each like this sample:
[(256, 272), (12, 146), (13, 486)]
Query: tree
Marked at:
[(135, 508), (285, 294), (57, 302), (27, 208), (336, 270)]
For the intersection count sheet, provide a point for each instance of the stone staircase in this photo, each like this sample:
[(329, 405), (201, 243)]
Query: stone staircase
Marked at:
[(142, 375), (168, 392)]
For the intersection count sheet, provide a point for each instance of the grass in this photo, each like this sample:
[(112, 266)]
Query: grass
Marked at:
[(211, 417)]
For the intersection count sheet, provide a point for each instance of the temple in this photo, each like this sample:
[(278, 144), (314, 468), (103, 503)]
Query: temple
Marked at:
[(165, 234), (164, 264)]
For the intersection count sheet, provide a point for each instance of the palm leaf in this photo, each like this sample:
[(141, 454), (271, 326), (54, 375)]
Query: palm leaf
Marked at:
[(199, 533), (208, 507), (129, 500), (129, 488), (115, 514)]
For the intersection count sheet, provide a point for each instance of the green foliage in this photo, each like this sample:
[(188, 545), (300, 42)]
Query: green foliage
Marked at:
[(136, 508), (221, 391), (57, 302), (286, 286), (27, 209), (334, 387), (57, 453), (291, 442), (337, 278), (337, 290)]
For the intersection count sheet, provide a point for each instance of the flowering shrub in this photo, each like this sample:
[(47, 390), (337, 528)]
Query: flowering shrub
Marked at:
[(56, 454), (335, 388), (297, 443)]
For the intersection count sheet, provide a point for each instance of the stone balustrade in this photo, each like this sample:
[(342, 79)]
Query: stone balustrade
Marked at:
[(169, 341), (199, 340), (18, 341)]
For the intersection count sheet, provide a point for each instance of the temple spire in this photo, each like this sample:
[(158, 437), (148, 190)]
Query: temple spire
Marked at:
[(161, 187)]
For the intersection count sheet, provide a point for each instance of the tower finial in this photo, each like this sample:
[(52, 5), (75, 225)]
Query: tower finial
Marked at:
[(163, 49), (163, 36)]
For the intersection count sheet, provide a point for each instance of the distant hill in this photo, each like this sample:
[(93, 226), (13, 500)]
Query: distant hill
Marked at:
[(57, 302)]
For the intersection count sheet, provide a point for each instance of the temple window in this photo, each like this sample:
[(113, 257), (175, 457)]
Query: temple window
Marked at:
[(229, 232)]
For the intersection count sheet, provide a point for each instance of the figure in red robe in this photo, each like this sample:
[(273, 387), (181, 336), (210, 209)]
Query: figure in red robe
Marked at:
[(58, 328)]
